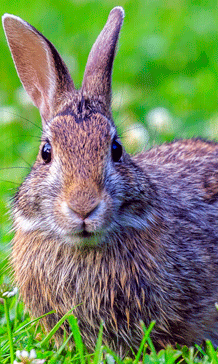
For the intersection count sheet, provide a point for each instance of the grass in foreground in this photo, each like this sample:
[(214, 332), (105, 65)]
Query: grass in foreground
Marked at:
[(23, 341)]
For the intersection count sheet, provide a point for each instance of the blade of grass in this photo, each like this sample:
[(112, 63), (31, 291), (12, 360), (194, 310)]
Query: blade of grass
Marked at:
[(211, 352), (16, 313), (56, 355), (145, 338), (55, 328), (77, 337), (170, 355), (200, 349), (98, 347), (10, 336), (18, 331)]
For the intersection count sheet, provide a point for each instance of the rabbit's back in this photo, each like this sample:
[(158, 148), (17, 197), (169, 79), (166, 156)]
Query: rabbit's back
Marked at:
[(188, 169)]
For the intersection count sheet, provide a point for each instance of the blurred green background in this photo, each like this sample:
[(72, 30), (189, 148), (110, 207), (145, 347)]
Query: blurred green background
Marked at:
[(165, 79)]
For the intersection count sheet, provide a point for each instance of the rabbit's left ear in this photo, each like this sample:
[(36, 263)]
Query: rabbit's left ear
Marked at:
[(97, 77), (41, 69)]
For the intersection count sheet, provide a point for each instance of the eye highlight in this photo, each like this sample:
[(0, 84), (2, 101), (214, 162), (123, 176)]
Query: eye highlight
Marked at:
[(116, 150), (46, 152)]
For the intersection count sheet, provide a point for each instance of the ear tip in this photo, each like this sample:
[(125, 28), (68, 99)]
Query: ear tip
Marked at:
[(5, 16), (119, 11), (11, 19), (8, 19)]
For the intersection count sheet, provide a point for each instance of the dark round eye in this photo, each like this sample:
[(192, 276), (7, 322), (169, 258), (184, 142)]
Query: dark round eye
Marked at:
[(116, 150), (46, 152)]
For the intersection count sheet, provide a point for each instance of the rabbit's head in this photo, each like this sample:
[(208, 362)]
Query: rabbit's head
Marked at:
[(77, 189)]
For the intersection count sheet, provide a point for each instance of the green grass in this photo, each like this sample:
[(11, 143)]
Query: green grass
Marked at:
[(19, 332), (165, 85)]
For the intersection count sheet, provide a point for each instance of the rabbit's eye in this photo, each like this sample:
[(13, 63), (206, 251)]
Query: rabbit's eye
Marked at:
[(46, 153), (116, 150)]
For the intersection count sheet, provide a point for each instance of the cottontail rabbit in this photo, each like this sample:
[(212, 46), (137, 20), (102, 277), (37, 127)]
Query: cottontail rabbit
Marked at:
[(126, 238)]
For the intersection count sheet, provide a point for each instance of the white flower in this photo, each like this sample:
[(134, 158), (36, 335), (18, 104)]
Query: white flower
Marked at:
[(9, 294), (24, 354), (32, 354), (5, 294), (26, 357), (13, 292), (18, 352)]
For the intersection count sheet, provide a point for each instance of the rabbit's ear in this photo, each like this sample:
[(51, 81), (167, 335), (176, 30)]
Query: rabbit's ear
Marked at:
[(97, 77), (42, 72)]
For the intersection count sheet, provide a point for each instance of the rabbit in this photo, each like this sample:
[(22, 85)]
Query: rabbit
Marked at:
[(123, 239)]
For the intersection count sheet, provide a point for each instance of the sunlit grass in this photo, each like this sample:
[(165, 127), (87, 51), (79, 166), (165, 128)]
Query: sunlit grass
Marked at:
[(22, 340)]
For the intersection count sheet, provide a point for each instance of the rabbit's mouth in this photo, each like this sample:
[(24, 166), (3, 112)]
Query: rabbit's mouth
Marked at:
[(85, 234), (85, 238)]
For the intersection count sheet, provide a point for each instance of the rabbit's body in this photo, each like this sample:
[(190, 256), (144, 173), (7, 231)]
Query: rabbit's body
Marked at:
[(125, 238), (167, 272)]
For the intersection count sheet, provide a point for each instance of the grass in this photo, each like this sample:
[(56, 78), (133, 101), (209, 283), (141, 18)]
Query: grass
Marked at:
[(22, 340)]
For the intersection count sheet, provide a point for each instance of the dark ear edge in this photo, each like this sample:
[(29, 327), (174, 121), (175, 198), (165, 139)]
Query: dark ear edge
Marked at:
[(40, 68), (97, 77)]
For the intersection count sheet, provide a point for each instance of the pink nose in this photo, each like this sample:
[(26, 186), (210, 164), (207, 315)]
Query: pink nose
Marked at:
[(84, 211)]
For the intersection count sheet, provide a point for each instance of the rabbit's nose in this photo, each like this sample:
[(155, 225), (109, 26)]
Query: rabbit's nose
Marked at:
[(84, 212)]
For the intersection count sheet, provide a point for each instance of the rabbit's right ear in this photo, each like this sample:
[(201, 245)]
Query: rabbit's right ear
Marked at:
[(41, 69)]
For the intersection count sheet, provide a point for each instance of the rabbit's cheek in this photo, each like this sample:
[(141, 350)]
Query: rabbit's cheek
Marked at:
[(26, 224)]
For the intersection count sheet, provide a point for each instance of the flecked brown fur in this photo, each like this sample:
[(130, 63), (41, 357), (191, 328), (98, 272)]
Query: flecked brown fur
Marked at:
[(124, 239)]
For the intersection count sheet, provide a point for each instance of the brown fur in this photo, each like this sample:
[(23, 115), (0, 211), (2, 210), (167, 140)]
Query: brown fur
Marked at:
[(127, 240)]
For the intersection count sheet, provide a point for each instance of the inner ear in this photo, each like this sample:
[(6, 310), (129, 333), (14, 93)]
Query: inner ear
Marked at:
[(41, 69)]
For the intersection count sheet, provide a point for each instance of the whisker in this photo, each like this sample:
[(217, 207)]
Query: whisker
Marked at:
[(21, 136), (38, 137), (120, 101), (121, 122), (119, 126), (19, 167), (20, 156), (22, 117), (132, 127), (15, 183)]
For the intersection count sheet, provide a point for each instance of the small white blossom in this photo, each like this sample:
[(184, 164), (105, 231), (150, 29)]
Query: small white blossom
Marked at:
[(9, 294), (13, 293), (24, 354), (32, 354), (29, 358), (18, 352), (5, 294)]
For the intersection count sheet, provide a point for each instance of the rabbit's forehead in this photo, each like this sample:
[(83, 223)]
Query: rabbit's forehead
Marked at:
[(74, 135)]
